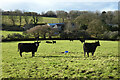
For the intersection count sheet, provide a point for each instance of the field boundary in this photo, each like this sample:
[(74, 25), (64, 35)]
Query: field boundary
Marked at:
[(6, 40), (65, 78)]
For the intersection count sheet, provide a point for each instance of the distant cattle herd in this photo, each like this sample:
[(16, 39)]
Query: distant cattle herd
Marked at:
[(51, 42), (32, 47)]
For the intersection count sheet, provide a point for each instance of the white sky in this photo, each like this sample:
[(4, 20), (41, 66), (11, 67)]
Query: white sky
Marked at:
[(67, 5)]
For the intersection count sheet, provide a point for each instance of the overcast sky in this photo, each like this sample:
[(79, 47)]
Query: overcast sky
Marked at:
[(66, 5)]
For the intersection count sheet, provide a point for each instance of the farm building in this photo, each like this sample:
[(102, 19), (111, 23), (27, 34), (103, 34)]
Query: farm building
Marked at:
[(56, 25)]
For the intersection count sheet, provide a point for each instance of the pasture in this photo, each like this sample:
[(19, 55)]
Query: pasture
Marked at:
[(51, 61)]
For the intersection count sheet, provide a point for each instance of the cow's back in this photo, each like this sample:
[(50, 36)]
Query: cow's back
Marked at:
[(27, 47), (89, 47)]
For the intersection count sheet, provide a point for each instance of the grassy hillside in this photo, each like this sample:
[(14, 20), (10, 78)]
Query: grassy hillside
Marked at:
[(51, 20), (6, 20), (50, 61)]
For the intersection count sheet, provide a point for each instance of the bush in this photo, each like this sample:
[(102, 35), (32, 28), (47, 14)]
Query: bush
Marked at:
[(84, 34), (110, 35), (114, 35), (75, 34), (3, 37), (15, 36), (11, 28), (26, 36)]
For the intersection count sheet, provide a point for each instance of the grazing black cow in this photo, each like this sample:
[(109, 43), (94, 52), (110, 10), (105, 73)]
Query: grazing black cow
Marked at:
[(90, 47), (28, 47), (48, 42), (54, 42)]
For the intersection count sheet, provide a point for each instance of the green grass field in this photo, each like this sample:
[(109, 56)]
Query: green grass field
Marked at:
[(50, 61)]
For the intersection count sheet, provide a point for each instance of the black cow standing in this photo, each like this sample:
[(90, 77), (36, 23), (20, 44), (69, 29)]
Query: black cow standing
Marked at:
[(54, 42), (51, 42), (90, 47), (48, 42), (28, 47)]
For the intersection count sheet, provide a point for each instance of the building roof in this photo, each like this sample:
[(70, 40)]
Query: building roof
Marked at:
[(53, 24), (114, 25)]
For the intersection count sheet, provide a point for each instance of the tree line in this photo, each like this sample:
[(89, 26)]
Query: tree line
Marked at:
[(77, 23), (110, 17)]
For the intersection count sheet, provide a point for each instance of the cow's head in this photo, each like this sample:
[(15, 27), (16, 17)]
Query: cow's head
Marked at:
[(98, 43), (37, 43)]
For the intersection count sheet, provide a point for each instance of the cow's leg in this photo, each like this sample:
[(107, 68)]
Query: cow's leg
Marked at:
[(20, 53), (84, 53), (33, 54), (88, 54), (92, 53)]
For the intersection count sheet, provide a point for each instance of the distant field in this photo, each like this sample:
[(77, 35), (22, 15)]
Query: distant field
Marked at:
[(51, 20), (6, 20), (50, 61), (5, 33)]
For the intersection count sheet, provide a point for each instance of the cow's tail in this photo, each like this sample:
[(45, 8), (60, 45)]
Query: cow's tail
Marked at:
[(18, 50), (18, 47)]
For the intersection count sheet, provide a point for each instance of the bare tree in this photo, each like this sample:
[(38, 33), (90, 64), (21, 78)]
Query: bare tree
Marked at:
[(62, 14), (26, 17), (50, 14), (19, 13), (35, 17), (28, 21), (68, 27), (13, 17), (73, 14), (39, 31)]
